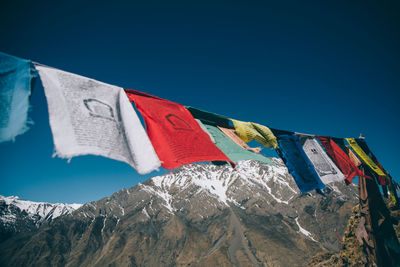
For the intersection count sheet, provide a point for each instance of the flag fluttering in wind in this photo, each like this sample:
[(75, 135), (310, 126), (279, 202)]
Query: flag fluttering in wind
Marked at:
[(341, 159), (250, 130), (298, 164), (364, 157), (176, 136), (231, 149), (91, 117), (15, 89), (326, 169)]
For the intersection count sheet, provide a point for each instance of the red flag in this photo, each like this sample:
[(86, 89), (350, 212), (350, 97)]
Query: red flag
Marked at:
[(341, 159), (177, 138)]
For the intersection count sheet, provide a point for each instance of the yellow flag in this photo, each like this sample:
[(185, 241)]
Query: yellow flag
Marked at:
[(248, 131), (364, 157)]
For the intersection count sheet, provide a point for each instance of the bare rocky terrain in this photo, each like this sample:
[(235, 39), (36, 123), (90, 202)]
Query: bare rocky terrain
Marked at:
[(197, 215)]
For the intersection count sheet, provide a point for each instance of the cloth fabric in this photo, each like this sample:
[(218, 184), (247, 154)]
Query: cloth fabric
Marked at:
[(298, 164), (364, 146), (204, 128), (208, 117), (387, 245), (15, 89), (381, 179), (91, 117), (326, 169), (354, 158), (364, 157), (361, 142), (341, 159), (176, 136), (233, 136), (393, 192), (341, 143), (364, 230), (231, 149), (222, 123), (248, 131)]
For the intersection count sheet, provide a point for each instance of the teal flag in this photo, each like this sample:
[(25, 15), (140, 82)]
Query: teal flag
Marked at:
[(231, 149), (15, 89)]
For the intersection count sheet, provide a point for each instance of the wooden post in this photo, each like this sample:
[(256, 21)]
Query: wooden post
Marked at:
[(370, 244)]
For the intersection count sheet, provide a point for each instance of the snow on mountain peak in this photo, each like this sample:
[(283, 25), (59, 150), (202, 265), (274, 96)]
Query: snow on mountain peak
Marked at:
[(220, 181), (44, 210)]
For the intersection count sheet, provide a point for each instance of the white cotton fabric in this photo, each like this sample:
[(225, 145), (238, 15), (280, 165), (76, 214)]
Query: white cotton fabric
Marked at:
[(91, 117), (326, 169)]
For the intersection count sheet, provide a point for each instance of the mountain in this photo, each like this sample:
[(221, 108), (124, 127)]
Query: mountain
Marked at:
[(197, 215), (20, 215)]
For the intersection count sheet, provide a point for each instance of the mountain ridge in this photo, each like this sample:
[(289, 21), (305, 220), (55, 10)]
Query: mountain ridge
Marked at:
[(198, 214), (18, 215)]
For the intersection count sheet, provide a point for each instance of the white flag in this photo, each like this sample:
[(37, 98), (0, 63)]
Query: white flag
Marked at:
[(91, 117), (326, 169)]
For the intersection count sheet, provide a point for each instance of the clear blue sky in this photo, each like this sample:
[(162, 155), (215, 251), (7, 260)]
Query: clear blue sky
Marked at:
[(320, 67)]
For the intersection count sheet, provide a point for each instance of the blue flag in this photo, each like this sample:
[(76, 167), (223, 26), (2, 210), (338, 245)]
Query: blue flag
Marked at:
[(298, 164), (15, 89)]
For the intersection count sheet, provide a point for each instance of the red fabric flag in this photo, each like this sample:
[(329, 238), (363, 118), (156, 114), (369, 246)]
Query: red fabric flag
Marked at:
[(341, 159), (177, 138)]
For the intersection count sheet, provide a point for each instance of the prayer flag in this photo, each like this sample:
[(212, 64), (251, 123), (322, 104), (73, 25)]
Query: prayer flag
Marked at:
[(91, 117), (222, 123), (364, 157), (364, 146), (326, 169), (230, 148), (208, 117), (233, 136), (341, 143), (354, 158), (341, 159), (204, 128), (298, 164), (176, 136), (248, 131), (15, 89)]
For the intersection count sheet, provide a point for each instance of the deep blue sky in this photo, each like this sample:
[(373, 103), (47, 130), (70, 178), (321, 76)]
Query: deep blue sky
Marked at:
[(320, 67)]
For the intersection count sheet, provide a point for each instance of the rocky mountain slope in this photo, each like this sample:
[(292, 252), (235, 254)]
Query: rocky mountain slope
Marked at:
[(20, 215), (197, 215)]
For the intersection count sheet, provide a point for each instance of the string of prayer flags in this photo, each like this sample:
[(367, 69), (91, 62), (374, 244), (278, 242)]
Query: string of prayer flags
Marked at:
[(230, 148), (341, 159), (298, 164), (364, 157), (248, 131), (325, 168), (176, 136), (91, 117), (15, 88)]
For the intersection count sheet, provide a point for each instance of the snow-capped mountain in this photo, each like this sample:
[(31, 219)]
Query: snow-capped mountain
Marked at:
[(199, 214), (18, 215)]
